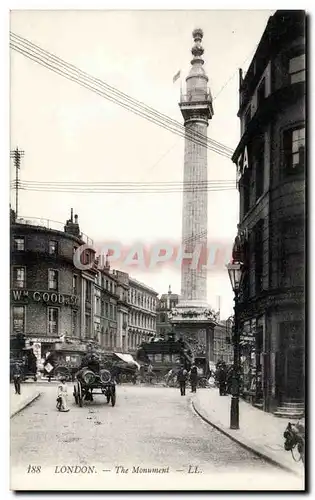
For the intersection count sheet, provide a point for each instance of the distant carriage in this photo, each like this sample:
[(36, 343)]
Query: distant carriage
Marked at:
[(27, 363), (167, 353), (23, 356)]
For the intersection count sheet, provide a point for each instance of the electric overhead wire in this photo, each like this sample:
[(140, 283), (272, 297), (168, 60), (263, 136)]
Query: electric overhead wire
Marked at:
[(127, 183), (124, 187), (234, 73), (157, 114), (134, 191), (33, 52), (142, 105), (188, 135), (215, 145)]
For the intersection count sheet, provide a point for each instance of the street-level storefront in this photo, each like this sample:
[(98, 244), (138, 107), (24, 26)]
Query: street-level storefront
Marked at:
[(252, 360), (273, 351), (288, 344), (44, 317)]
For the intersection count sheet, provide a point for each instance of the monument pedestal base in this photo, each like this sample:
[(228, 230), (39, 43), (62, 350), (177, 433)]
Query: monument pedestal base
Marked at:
[(193, 322)]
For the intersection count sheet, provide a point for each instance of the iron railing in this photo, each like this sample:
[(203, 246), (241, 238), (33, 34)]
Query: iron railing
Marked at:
[(196, 96), (50, 224)]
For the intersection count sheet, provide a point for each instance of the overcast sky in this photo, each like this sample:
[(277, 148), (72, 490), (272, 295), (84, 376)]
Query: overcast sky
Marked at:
[(70, 134)]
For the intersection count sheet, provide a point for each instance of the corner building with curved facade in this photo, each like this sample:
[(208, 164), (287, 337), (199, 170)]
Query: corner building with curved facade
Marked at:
[(59, 307), (46, 287)]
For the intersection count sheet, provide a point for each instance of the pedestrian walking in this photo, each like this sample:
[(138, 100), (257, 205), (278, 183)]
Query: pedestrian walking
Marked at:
[(211, 381), (142, 374), (193, 378), (222, 380), (182, 377), (17, 375), (150, 373), (62, 397)]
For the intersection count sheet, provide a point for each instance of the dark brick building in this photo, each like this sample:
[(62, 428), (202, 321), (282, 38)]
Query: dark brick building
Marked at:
[(222, 345), (270, 160), (51, 299)]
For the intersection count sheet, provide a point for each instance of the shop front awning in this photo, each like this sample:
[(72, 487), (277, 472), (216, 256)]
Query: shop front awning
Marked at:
[(127, 358)]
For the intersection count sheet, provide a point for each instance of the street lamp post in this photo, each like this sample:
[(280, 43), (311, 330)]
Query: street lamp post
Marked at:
[(235, 274)]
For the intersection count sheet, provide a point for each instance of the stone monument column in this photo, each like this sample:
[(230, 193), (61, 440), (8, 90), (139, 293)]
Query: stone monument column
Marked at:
[(193, 320)]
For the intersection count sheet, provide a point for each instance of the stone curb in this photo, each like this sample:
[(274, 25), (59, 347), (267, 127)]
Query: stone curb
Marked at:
[(248, 445), (27, 403)]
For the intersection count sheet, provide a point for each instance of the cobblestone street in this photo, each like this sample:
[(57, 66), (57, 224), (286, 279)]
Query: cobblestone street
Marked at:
[(148, 427)]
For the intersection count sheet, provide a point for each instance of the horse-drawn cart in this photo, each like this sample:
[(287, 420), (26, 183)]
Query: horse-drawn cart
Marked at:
[(88, 383)]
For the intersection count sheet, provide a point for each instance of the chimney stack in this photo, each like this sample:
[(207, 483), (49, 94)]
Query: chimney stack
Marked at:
[(72, 227)]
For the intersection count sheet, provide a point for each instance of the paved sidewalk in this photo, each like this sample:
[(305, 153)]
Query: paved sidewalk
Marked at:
[(259, 431), (19, 401)]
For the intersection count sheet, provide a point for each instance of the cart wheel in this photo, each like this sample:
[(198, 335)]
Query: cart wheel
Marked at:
[(113, 397), (35, 379), (80, 397), (75, 394)]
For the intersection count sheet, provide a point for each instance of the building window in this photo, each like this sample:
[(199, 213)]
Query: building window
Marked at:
[(53, 247), (18, 318), (19, 277), (292, 253), (53, 317), (75, 284), (261, 92), (88, 293), (87, 325), (106, 309), (52, 279), (258, 250), (19, 244), (246, 191), (97, 306), (259, 160), (247, 118), (162, 318), (74, 322), (297, 69), (294, 149), (96, 331), (245, 289)]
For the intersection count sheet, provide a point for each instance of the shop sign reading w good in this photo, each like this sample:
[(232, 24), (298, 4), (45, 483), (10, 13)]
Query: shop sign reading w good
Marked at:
[(46, 297)]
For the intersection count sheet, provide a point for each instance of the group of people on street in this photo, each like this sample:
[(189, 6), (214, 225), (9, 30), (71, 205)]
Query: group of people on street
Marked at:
[(224, 377), (183, 376)]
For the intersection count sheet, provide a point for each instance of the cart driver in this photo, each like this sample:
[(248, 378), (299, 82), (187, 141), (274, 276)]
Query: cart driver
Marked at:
[(91, 361)]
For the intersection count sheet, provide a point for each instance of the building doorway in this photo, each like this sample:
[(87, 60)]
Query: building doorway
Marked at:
[(291, 365)]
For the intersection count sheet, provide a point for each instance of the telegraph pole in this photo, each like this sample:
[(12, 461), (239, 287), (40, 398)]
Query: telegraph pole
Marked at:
[(16, 154)]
